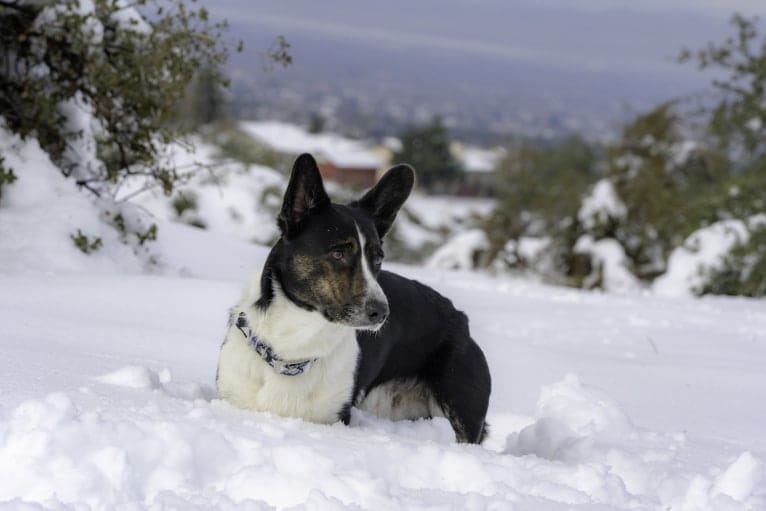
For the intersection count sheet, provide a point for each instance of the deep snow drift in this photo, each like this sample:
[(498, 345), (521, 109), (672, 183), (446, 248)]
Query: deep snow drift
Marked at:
[(599, 402), (107, 397)]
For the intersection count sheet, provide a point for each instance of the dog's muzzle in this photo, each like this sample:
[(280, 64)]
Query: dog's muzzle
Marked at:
[(376, 311)]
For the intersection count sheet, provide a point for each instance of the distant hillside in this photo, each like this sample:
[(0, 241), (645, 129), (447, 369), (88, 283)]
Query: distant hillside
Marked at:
[(490, 68)]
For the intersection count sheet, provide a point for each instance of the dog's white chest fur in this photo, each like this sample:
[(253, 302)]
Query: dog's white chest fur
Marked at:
[(317, 395)]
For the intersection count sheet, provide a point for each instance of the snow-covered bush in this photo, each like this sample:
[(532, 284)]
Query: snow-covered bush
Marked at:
[(742, 271), (610, 267), (601, 261), (229, 197), (7, 176), (601, 210), (46, 223), (539, 191), (462, 252), (96, 82), (701, 254), (669, 186)]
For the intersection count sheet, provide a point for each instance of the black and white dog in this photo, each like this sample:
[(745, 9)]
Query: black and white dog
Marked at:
[(323, 328)]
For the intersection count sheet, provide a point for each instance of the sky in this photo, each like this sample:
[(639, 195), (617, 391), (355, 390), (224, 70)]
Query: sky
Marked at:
[(612, 34), (598, 53)]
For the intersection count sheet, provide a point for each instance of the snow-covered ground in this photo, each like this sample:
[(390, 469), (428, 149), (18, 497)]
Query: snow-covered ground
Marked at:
[(238, 200), (107, 396), (599, 402)]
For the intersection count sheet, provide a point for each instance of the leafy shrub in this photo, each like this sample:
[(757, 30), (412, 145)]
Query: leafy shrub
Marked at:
[(98, 86), (85, 243), (743, 271), (669, 185), (7, 176), (539, 192), (237, 145), (184, 201)]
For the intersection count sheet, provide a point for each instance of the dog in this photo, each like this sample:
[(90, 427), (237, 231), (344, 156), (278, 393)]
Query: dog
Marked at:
[(324, 328)]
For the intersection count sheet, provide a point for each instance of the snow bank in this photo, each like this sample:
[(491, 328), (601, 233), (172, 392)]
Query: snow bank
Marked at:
[(701, 253), (610, 260), (461, 252), (582, 428), (154, 448), (228, 197), (479, 159), (110, 403), (242, 201), (42, 209), (293, 140)]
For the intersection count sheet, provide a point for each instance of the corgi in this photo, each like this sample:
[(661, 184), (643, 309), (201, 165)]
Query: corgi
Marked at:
[(324, 328)]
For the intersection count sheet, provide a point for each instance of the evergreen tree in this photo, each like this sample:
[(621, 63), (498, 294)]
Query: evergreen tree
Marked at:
[(427, 149), (316, 123)]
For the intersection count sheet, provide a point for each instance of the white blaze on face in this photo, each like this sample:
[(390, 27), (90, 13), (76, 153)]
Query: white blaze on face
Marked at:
[(374, 291)]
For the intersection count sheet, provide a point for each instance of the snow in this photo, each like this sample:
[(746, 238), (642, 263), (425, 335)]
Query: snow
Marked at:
[(437, 212), (754, 124), (110, 404), (479, 159), (702, 252), (293, 140), (681, 151), (600, 205), (610, 259), (393, 144), (461, 252), (108, 401), (230, 198), (42, 209)]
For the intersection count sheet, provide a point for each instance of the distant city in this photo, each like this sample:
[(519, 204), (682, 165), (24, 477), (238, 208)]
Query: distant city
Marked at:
[(492, 70)]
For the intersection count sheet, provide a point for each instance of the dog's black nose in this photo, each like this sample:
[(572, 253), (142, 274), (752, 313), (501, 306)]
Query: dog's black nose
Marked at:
[(377, 311)]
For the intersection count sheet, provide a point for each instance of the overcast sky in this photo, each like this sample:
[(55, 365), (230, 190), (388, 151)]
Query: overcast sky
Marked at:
[(623, 49), (593, 33)]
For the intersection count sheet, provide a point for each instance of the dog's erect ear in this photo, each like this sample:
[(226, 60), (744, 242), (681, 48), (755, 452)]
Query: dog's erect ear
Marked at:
[(305, 194), (384, 199)]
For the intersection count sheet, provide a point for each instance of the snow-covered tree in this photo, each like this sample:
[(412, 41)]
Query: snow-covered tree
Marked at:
[(96, 81)]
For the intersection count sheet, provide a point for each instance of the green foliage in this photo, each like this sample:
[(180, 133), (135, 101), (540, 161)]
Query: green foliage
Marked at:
[(669, 184), (84, 243), (149, 235), (132, 231), (744, 269), (184, 201), (427, 149), (235, 144), (277, 54), (669, 187), (539, 190), (739, 118), (7, 176), (316, 123), (185, 205), (129, 72), (203, 102)]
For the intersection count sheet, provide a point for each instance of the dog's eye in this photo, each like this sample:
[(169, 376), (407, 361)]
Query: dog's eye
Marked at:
[(337, 254)]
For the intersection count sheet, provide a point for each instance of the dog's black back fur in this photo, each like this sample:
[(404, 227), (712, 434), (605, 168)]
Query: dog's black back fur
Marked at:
[(426, 338)]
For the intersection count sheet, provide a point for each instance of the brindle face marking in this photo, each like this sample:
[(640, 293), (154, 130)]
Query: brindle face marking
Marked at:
[(331, 268), (330, 254)]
